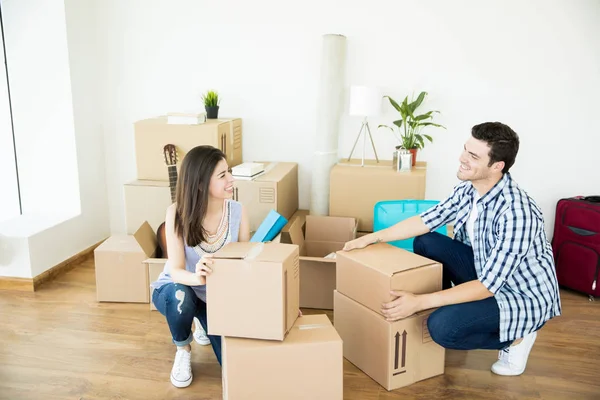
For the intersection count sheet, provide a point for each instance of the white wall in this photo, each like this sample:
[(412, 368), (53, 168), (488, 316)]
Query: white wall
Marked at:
[(533, 65), (38, 240)]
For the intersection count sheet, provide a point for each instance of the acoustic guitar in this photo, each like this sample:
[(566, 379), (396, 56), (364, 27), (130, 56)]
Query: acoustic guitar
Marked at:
[(170, 154)]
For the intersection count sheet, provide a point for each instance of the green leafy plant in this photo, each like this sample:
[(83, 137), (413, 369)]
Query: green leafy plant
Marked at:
[(410, 126), (211, 99)]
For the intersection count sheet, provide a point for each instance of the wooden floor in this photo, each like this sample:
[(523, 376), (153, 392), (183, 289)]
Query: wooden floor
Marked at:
[(59, 343)]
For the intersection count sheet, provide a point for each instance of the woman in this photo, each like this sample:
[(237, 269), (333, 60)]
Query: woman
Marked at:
[(202, 220)]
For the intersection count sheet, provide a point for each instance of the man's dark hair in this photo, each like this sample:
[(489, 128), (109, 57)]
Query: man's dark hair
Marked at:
[(503, 142)]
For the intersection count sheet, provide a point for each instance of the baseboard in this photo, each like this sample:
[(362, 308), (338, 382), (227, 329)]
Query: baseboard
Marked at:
[(20, 284), (33, 284)]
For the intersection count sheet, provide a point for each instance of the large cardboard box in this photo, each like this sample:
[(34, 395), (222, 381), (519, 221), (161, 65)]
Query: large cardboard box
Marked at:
[(146, 201), (307, 364), (155, 267), (151, 135), (121, 275), (354, 190), (276, 189), (394, 354), (323, 236), (368, 275), (253, 291)]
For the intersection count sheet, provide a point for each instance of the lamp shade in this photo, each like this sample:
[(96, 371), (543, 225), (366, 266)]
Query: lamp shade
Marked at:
[(365, 101)]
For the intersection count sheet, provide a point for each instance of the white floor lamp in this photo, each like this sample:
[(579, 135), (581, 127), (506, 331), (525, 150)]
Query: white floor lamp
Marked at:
[(364, 102)]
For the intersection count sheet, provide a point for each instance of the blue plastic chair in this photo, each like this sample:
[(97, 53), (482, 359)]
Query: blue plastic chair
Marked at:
[(390, 212)]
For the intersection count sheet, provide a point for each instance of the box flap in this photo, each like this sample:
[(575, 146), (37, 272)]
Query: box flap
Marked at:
[(236, 250), (119, 243), (330, 229), (295, 232), (385, 258), (275, 252), (146, 238)]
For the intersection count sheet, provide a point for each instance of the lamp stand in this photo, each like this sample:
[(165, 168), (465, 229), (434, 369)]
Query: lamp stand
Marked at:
[(364, 129)]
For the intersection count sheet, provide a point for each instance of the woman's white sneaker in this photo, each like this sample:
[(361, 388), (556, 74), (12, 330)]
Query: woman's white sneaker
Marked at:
[(199, 334), (181, 374), (513, 360)]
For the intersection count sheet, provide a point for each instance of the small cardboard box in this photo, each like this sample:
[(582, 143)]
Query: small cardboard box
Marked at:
[(155, 267), (152, 134), (368, 275), (276, 189), (146, 201), (324, 235), (121, 275), (377, 182), (394, 354), (307, 364), (253, 291)]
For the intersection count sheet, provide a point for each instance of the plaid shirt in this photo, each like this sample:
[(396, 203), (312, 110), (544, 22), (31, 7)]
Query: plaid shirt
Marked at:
[(513, 258)]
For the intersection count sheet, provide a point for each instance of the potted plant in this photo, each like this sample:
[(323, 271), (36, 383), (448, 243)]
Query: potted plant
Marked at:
[(211, 104), (410, 126)]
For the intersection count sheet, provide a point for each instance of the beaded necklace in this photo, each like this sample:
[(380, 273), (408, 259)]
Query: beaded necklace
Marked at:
[(215, 242)]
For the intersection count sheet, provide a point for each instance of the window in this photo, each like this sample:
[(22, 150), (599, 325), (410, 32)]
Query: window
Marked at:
[(10, 203)]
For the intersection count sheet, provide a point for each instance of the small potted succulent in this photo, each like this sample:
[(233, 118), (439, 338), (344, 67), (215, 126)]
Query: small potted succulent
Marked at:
[(211, 104)]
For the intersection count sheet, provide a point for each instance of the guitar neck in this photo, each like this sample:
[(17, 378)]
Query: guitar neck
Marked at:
[(172, 181)]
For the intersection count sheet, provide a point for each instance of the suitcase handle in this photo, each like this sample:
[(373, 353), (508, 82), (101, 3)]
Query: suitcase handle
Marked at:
[(593, 199)]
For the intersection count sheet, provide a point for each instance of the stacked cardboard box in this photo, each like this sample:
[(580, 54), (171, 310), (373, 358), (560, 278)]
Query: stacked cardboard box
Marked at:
[(354, 190), (395, 354), (268, 351)]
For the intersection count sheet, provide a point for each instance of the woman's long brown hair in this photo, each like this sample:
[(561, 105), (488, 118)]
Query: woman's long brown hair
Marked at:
[(191, 193)]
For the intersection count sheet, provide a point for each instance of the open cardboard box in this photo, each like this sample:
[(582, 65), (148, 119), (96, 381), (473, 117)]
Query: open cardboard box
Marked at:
[(121, 275), (324, 236)]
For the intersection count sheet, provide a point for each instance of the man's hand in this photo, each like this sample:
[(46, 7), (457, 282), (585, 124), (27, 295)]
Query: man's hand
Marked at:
[(359, 243), (405, 305)]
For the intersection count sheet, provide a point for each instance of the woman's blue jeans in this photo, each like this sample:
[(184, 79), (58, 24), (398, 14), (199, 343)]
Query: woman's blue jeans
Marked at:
[(179, 304)]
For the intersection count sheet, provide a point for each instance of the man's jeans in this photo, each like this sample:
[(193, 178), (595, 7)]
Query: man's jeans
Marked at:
[(180, 305), (466, 326)]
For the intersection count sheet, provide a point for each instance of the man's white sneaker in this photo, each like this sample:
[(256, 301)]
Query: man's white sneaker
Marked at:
[(181, 374), (513, 360), (199, 334)]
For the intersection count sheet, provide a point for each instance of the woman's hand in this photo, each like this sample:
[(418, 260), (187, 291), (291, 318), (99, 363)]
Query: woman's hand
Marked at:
[(203, 268)]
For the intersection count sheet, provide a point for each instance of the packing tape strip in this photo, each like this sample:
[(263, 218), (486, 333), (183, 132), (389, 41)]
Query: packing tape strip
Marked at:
[(312, 326)]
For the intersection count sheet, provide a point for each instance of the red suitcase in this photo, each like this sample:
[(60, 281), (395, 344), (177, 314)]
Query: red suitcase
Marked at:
[(576, 244)]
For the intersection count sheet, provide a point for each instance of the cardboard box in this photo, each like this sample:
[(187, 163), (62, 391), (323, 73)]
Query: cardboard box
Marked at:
[(308, 364), (276, 189), (146, 201), (151, 135), (368, 275), (394, 354), (324, 235), (253, 291), (155, 267), (354, 190), (121, 275)]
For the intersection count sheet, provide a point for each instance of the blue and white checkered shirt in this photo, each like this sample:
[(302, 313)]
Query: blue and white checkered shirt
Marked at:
[(513, 257)]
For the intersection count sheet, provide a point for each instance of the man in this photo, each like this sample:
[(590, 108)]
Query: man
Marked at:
[(499, 280)]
